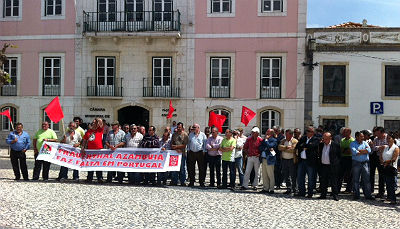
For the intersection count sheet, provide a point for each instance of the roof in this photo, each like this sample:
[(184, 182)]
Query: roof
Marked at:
[(353, 25)]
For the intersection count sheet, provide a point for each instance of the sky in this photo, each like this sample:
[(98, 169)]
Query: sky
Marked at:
[(323, 13)]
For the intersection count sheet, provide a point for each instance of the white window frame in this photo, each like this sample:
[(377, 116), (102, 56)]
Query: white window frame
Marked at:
[(41, 70), (230, 55), (17, 58), (385, 96), (278, 120), (45, 16), (52, 125), (283, 57), (14, 117), (270, 78), (52, 69), (11, 18), (108, 11), (221, 14), (106, 58), (220, 60), (219, 111), (282, 12)]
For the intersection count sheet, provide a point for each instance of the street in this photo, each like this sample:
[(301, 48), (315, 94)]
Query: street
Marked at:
[(71, 205)]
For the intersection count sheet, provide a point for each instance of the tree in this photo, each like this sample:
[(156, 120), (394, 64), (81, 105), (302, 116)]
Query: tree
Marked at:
[(4, 76)]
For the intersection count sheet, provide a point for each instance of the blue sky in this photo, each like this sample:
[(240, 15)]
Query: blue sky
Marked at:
[(322, 13)]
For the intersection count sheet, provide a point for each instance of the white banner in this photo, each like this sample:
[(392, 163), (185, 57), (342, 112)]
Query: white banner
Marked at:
[(122, 159)]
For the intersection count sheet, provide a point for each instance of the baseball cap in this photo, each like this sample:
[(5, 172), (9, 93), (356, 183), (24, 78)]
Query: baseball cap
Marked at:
[(255, 129)]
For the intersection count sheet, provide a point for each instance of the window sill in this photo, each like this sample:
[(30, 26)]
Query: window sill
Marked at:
[(58, 17), (333, 105), (11, 19), (220, 15), (385, 97), (272, 14)]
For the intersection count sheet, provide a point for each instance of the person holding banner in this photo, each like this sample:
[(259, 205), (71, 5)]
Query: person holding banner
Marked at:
[(73, 138), (132, 140), (165, 143), (178, 142), (19, 142), (150, 140), (42, 135), (115, 139), (93, 139)]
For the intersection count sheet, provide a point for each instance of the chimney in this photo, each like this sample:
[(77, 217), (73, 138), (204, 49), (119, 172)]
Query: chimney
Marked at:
[(364, 23)]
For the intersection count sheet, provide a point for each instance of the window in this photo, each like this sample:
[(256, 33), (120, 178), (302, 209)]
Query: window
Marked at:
[(227, 120), (107, 10), (220, 77), (105, 76), (53, 7), (221, 6), (5, 123), (271, 70), (11, 8), (10, 66), (392, 125), (334, 84), (272, 5), (135, 10), (52, 125), (162, 71), (269, 118), (51, 76), (333, 125), (392, 80)]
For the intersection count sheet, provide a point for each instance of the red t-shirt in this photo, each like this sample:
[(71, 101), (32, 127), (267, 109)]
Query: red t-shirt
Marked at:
[(252, 145), (94, 138)]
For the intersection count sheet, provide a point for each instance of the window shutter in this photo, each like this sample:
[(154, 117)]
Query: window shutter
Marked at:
[(230, 6), (45, 7)]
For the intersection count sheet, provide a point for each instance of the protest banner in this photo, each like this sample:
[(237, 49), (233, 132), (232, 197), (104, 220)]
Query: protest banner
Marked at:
[(122, 159)]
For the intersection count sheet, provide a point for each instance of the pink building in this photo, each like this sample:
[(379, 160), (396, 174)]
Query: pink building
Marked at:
[(43, 64), (249, 53)]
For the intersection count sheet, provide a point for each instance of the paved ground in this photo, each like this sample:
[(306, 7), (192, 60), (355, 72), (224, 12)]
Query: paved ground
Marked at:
[(70, 205)]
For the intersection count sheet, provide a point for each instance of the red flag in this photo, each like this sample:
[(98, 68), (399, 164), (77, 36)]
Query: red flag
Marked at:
[(216, 120), (54, 111), (247, 115), (7, 113), (171, 110)]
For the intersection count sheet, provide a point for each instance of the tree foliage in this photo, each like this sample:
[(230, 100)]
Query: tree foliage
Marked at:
[(4, 76)]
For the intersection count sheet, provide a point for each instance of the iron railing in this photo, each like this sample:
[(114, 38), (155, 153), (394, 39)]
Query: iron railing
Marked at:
[(97, 88), (51, 90), (171, 90), (9, 90), (131, 21), (220, 92), (270, 93)]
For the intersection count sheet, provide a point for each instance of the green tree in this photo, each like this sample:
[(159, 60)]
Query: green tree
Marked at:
[(4, 76)]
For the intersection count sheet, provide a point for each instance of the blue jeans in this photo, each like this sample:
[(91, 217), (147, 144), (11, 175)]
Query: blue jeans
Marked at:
[(361, 169), (181, 174), (303, 169), (239, 166), (232, 173)]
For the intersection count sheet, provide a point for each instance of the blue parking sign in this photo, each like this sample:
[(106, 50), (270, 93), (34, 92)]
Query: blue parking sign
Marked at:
[(376, 108)]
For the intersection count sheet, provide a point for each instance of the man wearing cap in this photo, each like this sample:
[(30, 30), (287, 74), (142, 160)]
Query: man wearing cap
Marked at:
[(115, 139), (253, 153)]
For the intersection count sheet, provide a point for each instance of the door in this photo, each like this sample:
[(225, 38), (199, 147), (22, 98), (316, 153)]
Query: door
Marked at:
[(162, 15)]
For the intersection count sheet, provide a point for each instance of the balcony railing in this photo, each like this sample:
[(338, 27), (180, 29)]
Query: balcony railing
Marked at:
[(9, 90), (51, 90), (173, 90), (220, 92), (96, 88), (136, 21), (270, 93)]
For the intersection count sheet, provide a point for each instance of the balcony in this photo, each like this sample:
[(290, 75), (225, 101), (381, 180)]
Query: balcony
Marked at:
[(131, 22), (51, 90), (220, 92), (170, 90), (270, 93), (111, 88), (9, 90)]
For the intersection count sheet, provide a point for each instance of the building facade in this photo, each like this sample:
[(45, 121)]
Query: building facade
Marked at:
[(126, 59), (43, 64), (358, 65)]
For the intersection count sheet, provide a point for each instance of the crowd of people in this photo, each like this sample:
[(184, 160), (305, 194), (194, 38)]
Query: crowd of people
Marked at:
[(285, 157)]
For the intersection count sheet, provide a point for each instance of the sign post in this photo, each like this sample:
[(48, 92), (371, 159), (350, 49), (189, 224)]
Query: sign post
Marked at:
[(376, 108)]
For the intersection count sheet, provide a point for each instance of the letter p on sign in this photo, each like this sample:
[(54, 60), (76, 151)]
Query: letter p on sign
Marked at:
[(376, 108)]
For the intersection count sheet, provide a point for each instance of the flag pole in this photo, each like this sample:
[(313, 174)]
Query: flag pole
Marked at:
[(12, 125), (62, 126)]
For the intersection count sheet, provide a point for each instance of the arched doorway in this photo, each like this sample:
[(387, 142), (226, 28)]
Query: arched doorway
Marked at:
[(134, 115)]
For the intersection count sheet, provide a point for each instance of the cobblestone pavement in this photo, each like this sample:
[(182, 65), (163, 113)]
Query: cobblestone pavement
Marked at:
[(70, 205)]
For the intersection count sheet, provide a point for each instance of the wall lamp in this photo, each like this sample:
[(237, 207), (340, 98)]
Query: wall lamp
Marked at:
[(311, 48)]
